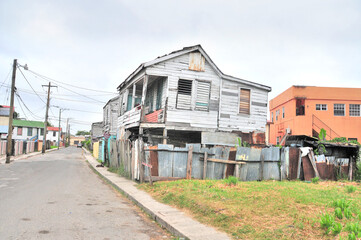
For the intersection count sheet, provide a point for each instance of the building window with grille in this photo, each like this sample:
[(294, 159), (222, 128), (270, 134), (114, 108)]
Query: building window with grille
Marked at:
[(277, 113), (244, 101), (321, 107), (355, 110), (30, 131), (283, 112), (272, 116), (300, 107), (20, 131), (339, 109), (184, 96), (54, 133), (42, 132), (202, 96)]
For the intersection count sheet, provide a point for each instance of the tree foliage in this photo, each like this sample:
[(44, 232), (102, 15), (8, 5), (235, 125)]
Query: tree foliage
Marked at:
[(82, 133)]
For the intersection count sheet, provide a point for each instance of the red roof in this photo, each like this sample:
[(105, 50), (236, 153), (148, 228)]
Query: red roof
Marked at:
[(3, 106), (53, 129)]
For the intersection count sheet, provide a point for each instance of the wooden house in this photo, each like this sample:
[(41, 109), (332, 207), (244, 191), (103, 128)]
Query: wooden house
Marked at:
[(183, 97), (110, 115)]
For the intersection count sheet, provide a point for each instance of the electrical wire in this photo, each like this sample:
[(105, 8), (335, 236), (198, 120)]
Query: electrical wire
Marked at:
[(7, 78), (17, 98), (51, 79), (30, 85), (35, 116)]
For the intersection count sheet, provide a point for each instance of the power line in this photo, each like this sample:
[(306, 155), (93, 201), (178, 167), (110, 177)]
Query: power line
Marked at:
[(17, 97), (7, 77), (50, 79), (34, 116), (31, 86)]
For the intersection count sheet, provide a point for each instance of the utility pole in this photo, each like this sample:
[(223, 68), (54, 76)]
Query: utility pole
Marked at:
[(67, 129), (59, 129), (46, 118), (59, 134), (69, 136), (10, 129)]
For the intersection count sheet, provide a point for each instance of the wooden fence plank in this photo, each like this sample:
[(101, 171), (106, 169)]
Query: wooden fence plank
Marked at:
[(205, 165), (189, 162)]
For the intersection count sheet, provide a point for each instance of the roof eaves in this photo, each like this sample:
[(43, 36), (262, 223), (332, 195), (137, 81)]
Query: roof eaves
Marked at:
[(136, 71), (264, 87)]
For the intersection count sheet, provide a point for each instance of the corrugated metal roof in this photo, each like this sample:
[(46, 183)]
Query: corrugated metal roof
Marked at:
[(26, 123)]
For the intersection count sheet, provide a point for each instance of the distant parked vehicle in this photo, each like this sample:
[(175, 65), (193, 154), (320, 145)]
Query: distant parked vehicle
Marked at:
[(79, 145)]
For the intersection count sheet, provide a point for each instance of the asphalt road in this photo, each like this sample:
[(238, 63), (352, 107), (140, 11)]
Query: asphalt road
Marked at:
[(57, 196)]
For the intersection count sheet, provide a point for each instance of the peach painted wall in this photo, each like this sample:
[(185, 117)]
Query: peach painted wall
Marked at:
[(345, 126)]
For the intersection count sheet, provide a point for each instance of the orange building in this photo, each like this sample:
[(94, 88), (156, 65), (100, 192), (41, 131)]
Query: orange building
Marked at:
[(304, 110)]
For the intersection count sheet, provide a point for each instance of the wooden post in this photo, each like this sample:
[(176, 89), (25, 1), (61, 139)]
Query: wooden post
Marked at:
[(141, 160), (189, 162), (164, 136), (262, 167), (225, 171), (132, 167), (350, 163), (313, 162), (149, 170), (299, 164), (205, 165), (129, 164)]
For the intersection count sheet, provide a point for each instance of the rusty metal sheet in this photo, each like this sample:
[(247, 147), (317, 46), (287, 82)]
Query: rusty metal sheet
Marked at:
[(308, 172), (196, 62), (293, 163), (326, 171)]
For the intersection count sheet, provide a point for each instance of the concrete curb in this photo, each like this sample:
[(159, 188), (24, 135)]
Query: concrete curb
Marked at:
[(174, 220)]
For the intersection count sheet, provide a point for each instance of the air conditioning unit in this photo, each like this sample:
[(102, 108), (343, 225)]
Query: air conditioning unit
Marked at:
[(288, 130)]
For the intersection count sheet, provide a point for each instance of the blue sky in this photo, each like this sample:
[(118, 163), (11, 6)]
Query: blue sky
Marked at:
[(98, 44)]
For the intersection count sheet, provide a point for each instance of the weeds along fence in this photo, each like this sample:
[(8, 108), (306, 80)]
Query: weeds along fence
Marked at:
[(166, 162)]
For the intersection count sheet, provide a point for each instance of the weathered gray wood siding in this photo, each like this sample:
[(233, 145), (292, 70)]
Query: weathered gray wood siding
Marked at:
[(231, 119), (178, 68)]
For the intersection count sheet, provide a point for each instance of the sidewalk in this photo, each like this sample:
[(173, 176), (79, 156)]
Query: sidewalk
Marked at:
[(23, 156), (172, 219)]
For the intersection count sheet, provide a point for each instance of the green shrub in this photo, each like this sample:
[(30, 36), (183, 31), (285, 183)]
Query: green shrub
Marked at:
[(315, 180), (338, 213), (336, 228), (341, 203), (327, 221), (231, 180), (355, 228), (348, 213), (350, 189)]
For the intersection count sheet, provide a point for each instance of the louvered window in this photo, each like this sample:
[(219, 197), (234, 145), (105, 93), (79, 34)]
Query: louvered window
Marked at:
[(184, 97), (202, 100), (244, 101)]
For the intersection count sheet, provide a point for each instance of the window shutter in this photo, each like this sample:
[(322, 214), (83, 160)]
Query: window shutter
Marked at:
[(202, 100), (184, 96), (244, 100)]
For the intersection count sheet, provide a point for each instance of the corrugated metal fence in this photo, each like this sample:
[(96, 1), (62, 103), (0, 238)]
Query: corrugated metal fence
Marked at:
[(167, 161)]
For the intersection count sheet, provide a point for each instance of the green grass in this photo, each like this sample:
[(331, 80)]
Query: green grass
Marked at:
[(260, 210)]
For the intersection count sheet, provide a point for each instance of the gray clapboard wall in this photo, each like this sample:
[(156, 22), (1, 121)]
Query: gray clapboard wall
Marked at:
[(178, 68), (231, 119)]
